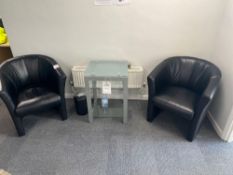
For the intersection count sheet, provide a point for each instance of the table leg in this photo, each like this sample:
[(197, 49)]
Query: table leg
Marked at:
[(89, 105), (125, 100), (94, 92)]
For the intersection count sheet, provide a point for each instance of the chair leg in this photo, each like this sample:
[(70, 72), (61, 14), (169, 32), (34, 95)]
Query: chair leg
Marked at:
[(63, 111), (191, 135), (152, 112), (18, 122), (194, 129)]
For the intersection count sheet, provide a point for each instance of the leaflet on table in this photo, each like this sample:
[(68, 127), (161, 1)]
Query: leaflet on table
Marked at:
[(106, 87)]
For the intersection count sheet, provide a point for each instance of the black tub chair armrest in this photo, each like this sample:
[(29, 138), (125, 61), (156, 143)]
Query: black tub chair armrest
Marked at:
[(7, 98), (59, 71), (60, 77), (156, 79), (202, 106), (212, 87)]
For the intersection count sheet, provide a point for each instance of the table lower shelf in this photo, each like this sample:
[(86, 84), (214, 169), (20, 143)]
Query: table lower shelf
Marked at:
[(115, 109)]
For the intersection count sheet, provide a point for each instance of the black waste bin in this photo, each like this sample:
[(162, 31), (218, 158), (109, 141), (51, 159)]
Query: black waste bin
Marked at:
[(80, 101)]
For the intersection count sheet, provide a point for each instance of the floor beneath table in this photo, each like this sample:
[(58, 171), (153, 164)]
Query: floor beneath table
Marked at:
[(107, 147)]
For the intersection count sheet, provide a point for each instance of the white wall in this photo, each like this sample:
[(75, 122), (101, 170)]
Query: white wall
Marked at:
[(143, 32), (222, 108)]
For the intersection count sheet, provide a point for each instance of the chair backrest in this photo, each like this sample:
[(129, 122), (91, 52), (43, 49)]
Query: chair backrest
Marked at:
[(26, 71), (190, 72)]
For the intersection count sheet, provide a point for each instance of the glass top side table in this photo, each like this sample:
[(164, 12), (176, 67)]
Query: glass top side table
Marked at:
[(106, 71)]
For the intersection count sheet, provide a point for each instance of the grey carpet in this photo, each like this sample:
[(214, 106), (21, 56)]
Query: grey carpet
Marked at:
[(107, 147)]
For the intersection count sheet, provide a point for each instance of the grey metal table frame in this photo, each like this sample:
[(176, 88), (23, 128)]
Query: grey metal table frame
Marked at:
[(106, 76)]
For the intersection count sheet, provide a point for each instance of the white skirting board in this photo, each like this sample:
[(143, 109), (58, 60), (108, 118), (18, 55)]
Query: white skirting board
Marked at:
[(217, 128)]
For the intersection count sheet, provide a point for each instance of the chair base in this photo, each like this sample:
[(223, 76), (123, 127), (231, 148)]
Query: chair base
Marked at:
[(152, 113), (63, 111), (190, 139), (18, 122)]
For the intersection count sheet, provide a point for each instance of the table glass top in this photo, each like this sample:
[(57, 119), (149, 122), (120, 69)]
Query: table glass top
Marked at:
[(102, 68)]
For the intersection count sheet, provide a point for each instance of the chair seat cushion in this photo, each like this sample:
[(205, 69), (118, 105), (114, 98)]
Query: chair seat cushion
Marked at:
[(35, 100), (177, 99)]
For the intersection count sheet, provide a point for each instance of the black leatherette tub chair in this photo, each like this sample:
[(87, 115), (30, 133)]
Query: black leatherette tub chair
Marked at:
[(32, 83), (185, 86)]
